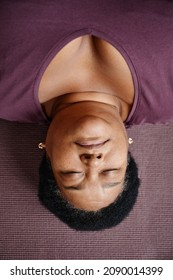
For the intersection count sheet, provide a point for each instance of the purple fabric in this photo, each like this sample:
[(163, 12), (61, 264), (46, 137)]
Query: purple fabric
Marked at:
[(30, 231), (32, 32)]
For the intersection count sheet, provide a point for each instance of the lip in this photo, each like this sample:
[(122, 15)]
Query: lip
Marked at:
[(90, 144)]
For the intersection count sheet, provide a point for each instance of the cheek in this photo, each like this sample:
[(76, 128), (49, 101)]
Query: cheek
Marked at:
[(71, 196), (118, 154), (64, 157)]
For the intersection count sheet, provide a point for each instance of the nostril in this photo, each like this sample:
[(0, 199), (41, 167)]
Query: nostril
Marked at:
[(87, 157), (91, 156), (99, 156)]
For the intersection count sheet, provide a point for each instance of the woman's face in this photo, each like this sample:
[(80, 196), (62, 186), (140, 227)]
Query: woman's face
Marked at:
[(87, 146)]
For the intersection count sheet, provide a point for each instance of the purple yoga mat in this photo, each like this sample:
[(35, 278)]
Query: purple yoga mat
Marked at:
[(29, 231)]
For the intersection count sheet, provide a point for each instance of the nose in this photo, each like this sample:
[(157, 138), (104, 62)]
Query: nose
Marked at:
[(93, 159)]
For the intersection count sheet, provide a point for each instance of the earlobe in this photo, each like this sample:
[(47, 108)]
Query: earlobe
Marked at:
[(41, 146), (130, 141)]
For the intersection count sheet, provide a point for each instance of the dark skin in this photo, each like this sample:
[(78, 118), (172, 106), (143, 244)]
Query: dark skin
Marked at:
[(86, 142)]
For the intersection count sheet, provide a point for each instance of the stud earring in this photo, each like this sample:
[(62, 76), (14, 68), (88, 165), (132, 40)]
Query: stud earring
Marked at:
[(41, 146), (130, 141)]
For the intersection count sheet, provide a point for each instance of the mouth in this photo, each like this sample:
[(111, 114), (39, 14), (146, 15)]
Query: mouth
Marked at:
[(91, 144)]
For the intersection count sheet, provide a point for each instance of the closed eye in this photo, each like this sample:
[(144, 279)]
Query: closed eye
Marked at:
[(80, 172), (70, 172), (107, 185), (109, 170), (71, 188)]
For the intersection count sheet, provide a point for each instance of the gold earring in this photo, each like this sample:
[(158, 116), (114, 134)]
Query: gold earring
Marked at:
[(130, 141), (41, 146)]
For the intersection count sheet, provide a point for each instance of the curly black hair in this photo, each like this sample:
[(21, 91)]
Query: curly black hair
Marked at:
[(81, 220)]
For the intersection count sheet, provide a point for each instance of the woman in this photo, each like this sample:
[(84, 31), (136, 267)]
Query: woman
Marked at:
[(86, 143), (90, 70)]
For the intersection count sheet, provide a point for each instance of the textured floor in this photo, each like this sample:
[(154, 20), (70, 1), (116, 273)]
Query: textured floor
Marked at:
[(29, 231)]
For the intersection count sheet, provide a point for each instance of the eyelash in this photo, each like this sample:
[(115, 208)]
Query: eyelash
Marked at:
[(70, 172), (73, 188), (111, 170)]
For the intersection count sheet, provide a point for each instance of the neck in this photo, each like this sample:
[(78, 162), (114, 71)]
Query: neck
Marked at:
[(55, 105)]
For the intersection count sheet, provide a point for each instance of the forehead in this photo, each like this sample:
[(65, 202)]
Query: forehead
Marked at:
[(92, 199)]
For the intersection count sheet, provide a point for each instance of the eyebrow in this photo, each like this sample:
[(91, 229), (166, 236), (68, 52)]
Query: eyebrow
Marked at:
[(106, 186)]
